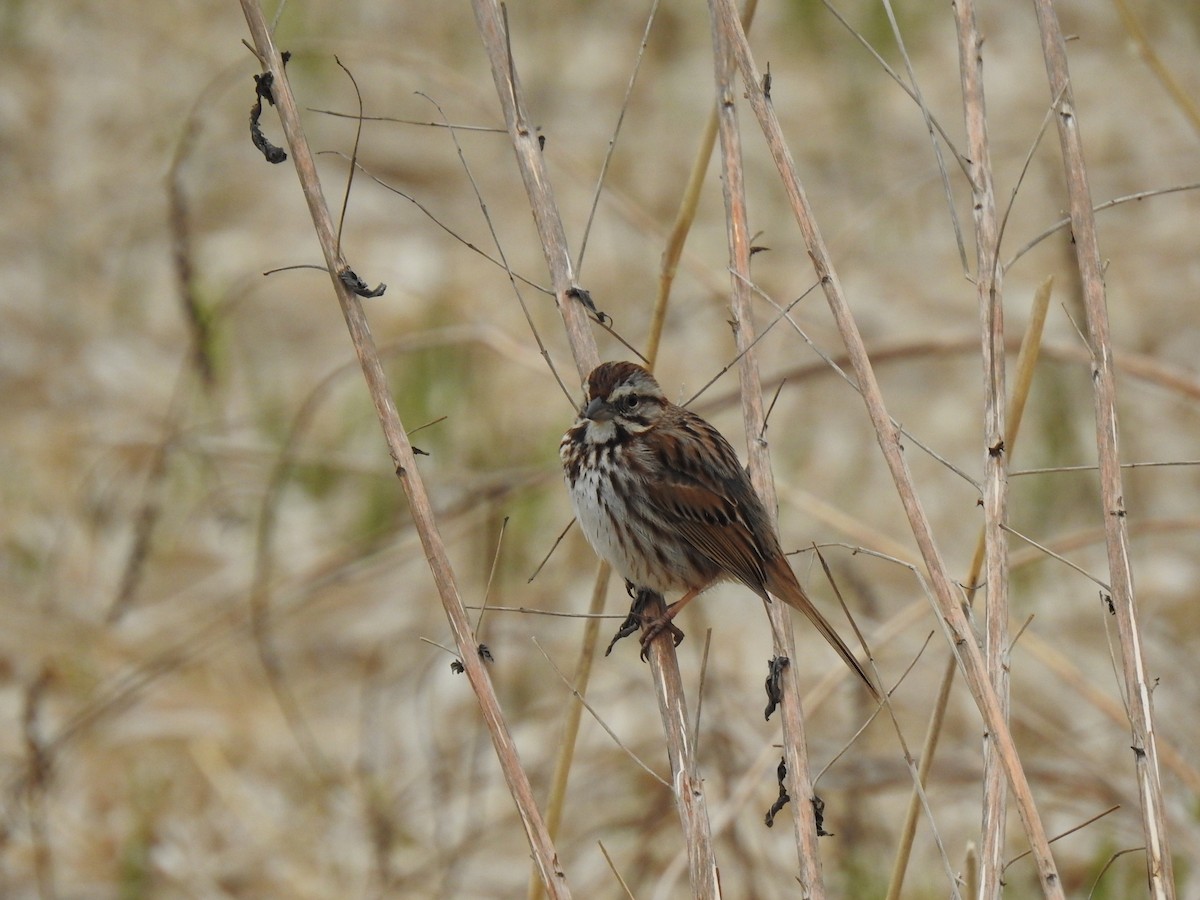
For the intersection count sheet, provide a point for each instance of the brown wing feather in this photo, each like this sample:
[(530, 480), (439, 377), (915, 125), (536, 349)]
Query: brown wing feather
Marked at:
[(703, 491), (708, 497), (711, 525)]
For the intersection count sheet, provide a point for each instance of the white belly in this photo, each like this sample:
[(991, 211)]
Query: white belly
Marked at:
[(632, 553)]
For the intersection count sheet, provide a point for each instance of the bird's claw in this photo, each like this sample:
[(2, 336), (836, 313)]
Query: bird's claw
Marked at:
[(654, 627), (632, 623)]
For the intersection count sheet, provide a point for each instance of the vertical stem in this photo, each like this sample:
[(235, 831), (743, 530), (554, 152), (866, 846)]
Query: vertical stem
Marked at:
[(946, 597), (995, 455), (799, 779), (1087, 253), (403, 458), (570, 733), (690, 802), (530, 162), (664, 664)]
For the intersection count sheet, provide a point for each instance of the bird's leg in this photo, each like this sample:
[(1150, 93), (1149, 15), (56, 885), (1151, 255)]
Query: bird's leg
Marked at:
[(633, 621), (654, 627), (638, 617)]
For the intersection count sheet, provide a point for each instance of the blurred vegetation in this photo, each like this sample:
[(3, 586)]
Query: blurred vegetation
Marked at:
[(145, 751)]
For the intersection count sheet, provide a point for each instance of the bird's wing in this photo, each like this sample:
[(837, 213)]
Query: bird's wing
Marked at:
[(703, 492)]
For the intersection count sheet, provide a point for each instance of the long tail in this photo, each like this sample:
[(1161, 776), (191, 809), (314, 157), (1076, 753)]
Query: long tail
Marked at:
[(782, 583)]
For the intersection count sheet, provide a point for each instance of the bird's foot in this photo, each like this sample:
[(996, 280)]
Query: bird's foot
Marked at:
[(652, 628)]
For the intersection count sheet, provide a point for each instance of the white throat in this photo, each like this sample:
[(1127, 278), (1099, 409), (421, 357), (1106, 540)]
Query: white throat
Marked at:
[(601, 432)]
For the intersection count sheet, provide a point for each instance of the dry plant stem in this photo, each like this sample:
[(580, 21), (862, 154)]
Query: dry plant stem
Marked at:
[(995, 455), (1099, 207), (1026, 366), (930, 126), (1087, 254), (1053, 659), (404, 460), (971, 872), (933, 731), (490, 22), (566, 751), (948, 606), (799, 779), (680, 229), (685, 215), (664, 664), (198, 319), (685, 779), (616, 874)]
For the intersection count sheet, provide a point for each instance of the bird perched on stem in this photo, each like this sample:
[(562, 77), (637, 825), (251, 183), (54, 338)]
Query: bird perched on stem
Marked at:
[(662, 497)]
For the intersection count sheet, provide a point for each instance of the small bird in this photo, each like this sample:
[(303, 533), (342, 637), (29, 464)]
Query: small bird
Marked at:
[(661, 496)]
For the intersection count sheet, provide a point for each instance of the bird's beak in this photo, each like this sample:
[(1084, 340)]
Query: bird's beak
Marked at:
[(598, 411)]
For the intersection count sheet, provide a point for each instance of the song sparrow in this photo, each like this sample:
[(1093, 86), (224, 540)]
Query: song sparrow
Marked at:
[(661, 496)]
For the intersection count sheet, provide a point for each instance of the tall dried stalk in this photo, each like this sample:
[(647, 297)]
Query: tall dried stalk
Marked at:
[(664, 664), (798, 776), (1026, 365), (402, 456), (989, 289), (1112, 495), (949, 610)]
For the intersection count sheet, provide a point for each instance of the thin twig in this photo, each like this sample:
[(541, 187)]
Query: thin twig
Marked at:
[(358, 125), (457, 126), (1055, 470), (1107, 204), (685, 215), (487, 591), (891, 73), (612, 141), (700, 687), (537, 337), (916, 94), (1074, 828), (500, 264), (613, 868), (1062, 559), (1012, 197), (1108, 864), (578, 695), (840, 371), (749, 345), (908, 670)]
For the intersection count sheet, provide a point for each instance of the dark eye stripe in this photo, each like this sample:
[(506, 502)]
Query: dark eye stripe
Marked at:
[(647, 412)]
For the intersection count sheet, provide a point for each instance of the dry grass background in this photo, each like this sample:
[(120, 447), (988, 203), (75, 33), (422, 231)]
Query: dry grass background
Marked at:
[(144, 751)]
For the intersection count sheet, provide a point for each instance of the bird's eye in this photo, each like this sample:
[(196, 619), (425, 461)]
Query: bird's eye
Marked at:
[(630, 403)]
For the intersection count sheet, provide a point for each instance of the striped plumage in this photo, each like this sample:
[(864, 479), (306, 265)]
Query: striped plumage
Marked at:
[(661, 495)]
